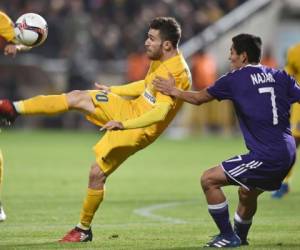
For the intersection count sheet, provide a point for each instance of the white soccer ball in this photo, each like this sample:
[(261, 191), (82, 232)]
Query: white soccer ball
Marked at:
[(31, 29)]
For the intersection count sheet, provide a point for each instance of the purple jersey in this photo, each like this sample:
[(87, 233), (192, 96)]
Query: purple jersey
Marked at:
[(262, 97)]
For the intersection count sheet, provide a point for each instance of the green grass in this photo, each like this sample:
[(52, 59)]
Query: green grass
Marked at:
[(46, 175)]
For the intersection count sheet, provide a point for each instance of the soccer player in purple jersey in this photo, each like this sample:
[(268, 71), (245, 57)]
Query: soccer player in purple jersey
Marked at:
[(262, 97)]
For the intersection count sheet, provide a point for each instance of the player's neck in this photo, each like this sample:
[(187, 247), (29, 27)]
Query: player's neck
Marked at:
[(169, 54)]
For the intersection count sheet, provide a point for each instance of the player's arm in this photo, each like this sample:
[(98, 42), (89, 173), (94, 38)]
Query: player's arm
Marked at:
[(23, 48), (12, 49), (132, 89), (167, 86), (156, 114)]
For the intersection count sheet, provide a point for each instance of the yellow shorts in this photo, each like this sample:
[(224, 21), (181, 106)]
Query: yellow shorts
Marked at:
[(115, 146), (295, 120)]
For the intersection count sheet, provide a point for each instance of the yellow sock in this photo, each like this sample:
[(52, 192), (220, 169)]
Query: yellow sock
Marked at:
[(90, 206), (46, 105)]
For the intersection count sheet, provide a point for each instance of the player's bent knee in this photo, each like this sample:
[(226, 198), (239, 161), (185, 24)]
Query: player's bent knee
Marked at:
[(79, 99), (212, 178), (73, 98), (206, 180), (97, 177)]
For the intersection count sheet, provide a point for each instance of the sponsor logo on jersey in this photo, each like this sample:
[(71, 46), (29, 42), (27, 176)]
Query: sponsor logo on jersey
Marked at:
[(149, 97), (101, 97)]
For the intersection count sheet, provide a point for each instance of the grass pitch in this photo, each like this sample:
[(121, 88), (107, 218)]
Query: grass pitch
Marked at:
[(153, 201)]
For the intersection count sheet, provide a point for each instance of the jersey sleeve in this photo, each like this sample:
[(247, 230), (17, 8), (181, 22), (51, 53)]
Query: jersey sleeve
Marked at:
[(221, 88), (132, 89), (156, 114)]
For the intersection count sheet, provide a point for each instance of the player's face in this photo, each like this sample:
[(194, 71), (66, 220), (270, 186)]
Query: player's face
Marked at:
[(236, 61), (154, 45)]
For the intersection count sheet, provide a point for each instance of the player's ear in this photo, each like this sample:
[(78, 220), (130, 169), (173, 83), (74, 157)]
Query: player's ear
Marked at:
[(244, 57), (167, 45)]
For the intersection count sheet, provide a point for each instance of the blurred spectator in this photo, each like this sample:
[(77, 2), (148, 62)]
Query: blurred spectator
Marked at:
[(84, 33), (137, 65), (268, 58), (210, 117), (77, 46), (204, 70), (116, 25)]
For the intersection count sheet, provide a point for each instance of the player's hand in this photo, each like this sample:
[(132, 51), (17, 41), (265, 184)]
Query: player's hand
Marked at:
[(102, 87), (166, 86), (112, 125), (10, 50)]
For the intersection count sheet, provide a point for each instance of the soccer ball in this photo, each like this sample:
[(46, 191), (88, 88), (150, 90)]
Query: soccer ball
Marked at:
[(31, 29)]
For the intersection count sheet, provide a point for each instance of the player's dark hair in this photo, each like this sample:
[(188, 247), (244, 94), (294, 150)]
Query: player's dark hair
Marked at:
[(169, 29), (250, 44)]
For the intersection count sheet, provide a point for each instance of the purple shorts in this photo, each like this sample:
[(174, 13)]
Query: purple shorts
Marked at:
[(250, 172)]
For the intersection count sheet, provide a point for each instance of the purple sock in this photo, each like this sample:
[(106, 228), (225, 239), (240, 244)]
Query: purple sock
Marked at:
[(241, 227), (220, 214)]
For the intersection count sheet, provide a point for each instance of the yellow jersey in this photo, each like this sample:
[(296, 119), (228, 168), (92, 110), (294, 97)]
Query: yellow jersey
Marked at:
[(148, 97), (6, 27), (292, 67), (293, 62)]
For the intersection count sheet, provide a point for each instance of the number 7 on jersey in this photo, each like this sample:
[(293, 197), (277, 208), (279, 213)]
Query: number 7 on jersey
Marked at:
[(273, 102)]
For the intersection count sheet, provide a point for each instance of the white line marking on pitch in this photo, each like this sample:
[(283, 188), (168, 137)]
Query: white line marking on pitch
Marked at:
[(149, 212)]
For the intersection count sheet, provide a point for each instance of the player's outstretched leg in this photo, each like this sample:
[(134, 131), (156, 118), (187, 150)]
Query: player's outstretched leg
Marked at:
[(211, 181), (82, 232), (46, 105)]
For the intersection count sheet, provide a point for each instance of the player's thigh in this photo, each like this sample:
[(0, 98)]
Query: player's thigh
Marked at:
[(295, 120), (109, 107), (116, 146)]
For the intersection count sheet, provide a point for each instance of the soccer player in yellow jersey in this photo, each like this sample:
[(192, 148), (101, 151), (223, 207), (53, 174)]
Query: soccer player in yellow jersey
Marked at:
[(7, 44), (292, 67), (131, 124)]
